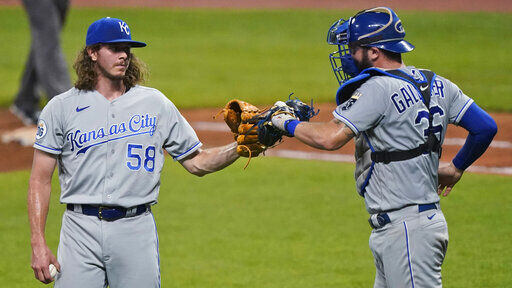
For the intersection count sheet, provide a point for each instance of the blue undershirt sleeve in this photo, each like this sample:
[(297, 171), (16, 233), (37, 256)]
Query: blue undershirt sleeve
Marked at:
[(482, 129)]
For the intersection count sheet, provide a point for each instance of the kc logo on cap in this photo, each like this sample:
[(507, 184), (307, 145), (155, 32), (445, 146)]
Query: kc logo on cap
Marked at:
[(124, 27), (110, 30)]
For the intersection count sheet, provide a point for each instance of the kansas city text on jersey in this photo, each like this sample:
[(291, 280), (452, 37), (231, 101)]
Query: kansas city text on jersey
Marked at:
[(138, 124)]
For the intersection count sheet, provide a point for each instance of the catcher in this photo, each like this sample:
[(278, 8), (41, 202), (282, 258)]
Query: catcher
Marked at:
[(253, 129)]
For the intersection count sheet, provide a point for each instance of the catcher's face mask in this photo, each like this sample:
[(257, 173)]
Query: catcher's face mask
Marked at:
[(342, 63), (376, 27)]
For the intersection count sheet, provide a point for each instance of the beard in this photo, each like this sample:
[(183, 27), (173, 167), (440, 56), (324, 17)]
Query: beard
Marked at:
[(105, 73), (365, 62)]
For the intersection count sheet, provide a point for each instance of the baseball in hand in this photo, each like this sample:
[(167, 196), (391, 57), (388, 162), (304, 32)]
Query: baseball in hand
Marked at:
[(53, 270)]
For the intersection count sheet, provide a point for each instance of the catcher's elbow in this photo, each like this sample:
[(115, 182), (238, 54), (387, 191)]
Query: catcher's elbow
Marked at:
[(329, 144)]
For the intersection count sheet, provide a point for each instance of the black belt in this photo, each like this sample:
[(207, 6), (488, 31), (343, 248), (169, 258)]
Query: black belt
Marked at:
[(383, 218), (109, 213)]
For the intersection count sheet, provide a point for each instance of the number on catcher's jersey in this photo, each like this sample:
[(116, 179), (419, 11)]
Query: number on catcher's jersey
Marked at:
[(423, 114)]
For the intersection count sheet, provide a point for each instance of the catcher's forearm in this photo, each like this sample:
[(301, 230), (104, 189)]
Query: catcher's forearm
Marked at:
[(326, 136), (211, 159)]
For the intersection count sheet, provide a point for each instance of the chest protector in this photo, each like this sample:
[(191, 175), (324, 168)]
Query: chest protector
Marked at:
[(365, 158)]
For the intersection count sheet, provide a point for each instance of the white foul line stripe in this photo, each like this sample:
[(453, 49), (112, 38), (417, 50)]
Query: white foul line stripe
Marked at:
[(296, 154), (346, 158), (210, 126), (222, 127), (461, 141), (491, 170), (293, 154)]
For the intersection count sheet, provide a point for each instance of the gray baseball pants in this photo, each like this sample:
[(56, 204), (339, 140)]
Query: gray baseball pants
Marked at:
[(94, 253), (410, 250)]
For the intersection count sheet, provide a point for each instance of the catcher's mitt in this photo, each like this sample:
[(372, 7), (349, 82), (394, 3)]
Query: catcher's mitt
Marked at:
[(242, 118), (253, 129), (268, 135)]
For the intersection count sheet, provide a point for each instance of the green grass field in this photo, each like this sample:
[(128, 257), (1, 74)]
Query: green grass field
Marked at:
[(205, 57), (312, 232)]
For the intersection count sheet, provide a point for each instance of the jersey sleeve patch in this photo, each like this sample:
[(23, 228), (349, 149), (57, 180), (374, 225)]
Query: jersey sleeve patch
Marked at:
[(41, 129), (345, 106)]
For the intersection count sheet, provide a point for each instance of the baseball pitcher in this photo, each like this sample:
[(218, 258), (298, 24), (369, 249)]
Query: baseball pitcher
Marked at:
[(108, 135), (398, 116)]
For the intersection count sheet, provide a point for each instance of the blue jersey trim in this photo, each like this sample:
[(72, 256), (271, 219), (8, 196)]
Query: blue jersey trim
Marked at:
[(367, 180), (368, 141), (58, 150), (157, 252), (408, 254), (189, 150), (346, 121), (464, 108)]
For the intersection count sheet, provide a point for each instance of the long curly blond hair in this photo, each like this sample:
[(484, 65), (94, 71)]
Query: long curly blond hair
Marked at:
[(87, 77)]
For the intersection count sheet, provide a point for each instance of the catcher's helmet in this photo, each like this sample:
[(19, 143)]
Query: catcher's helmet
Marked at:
[(377, 27)]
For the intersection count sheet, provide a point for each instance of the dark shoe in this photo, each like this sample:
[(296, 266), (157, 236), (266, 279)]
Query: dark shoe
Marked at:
[(27, 117)]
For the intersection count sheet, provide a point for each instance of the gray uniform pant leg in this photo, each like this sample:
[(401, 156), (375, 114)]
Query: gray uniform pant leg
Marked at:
[(409, 252), (46, 66), (80, 252), (134, 260), (95, 253)]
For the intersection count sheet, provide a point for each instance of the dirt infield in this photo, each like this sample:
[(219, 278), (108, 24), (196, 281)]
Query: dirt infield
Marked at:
[(213, 132)]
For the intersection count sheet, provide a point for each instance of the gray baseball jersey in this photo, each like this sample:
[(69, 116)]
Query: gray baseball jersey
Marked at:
[(111, 151), (387, 114)]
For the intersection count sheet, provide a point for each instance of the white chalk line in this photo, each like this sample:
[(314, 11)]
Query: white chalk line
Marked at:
[(461, 141), (346, 158), (210, 126), (222, 127), (295, 154)]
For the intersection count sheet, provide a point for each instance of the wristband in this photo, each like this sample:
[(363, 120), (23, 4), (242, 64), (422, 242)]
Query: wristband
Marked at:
[(290, 126)]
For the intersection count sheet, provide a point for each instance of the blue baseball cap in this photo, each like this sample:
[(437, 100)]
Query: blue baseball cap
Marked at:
[(110, 30)]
